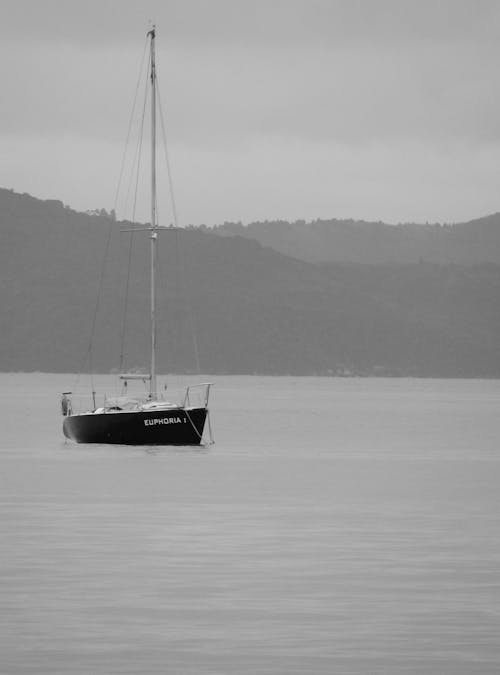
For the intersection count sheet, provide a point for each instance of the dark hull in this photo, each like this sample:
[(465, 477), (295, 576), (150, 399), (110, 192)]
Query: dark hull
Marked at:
[(159, 427)]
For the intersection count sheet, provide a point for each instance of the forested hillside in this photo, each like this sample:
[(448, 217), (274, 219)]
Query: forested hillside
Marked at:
[(242, 307), (376, 243)]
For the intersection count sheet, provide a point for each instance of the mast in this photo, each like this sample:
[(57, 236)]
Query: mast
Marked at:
[(154, 234)]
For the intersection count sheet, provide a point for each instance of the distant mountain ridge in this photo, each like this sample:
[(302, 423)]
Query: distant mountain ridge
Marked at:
[(377, 243), (254, 310)]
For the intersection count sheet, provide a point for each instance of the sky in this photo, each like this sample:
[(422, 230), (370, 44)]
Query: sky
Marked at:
[(274, 109)]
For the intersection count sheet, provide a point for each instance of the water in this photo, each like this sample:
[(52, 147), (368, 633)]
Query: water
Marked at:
[(337, 526)]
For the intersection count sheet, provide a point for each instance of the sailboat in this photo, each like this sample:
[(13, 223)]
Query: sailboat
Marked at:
[(148, 419)]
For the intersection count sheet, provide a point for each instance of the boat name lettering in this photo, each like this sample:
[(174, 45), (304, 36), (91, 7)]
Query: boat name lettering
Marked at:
[(162, 420)]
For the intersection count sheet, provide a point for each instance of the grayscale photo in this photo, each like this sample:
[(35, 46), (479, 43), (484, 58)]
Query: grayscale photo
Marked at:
[(250, 337)]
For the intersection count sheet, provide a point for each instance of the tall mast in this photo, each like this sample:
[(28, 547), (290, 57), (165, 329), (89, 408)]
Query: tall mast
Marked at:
[(154, 234)]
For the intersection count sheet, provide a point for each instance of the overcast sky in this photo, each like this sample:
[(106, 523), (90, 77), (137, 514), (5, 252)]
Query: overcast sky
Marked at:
[(300, 109)]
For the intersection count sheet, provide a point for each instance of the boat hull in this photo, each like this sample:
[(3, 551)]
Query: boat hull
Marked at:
[(142, 427)]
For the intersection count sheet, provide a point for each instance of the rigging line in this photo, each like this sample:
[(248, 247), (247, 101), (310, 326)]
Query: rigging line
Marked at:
[(89, 356), (129, 264), (164, 295), (167, 159), (122, 168), (187, 297), (139, 158), (138, 150), (200, 436), (125, 308), (180, 251)]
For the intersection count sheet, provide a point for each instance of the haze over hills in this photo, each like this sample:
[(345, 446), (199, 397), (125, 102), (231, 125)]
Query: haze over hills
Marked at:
[(254, 310), (376, 243)]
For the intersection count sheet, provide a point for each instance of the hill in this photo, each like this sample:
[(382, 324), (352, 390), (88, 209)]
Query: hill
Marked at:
[(376, 243), (254, 310)]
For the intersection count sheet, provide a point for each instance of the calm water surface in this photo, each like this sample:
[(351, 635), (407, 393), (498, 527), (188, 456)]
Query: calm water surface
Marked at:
[(337, 526)]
